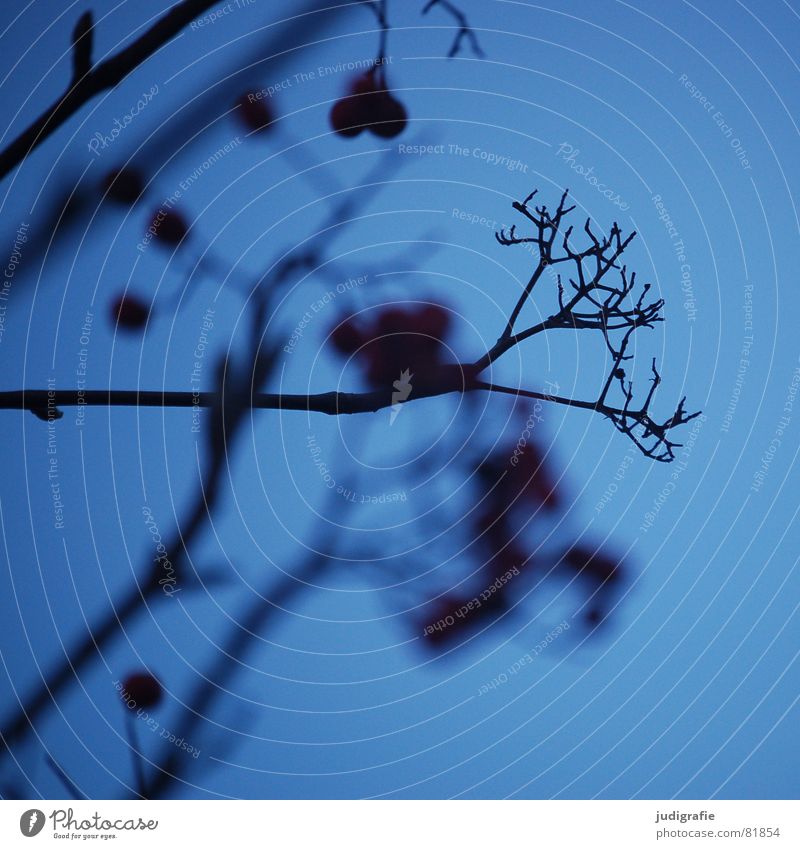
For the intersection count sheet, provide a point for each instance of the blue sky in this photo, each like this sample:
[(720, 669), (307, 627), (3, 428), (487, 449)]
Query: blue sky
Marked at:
[(686, 114)]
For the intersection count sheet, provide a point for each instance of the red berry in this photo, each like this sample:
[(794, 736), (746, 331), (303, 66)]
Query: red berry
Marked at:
[(124, 185), (393, 320), (451, 616), (533, 479), (365, 83), (433, 320), (129, 312), (593, 565), (254, 114), (507, 559), (368, 105), (594, 616), (389, 117), (346, 337), (400, 339), (142, 689), (346, 118), (169, 227)]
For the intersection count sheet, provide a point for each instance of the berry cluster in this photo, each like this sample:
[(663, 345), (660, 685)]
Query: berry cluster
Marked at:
[(395, 340), (369, 105)]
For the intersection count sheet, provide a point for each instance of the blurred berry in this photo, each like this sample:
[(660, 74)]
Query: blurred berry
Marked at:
[(451, 616), (346, 337), (143, 689), (368, 105), (388, 116), (129, 312), (124, 185), (255, 115), (399, 339), (346, 117), (594, 566), (168, 227)]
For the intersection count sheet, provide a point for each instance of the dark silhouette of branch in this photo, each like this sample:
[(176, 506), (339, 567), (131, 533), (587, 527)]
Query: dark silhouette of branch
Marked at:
[(331, 403), (82, 43), (348, 403), (595, 303), (89, 81), (260, 610), (228, 405), (464, 29), (236, 393), (379, 8)]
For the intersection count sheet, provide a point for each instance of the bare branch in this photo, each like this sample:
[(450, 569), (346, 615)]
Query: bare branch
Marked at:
[(103, 76), (379, 9), (596, 304), (464, 31), (82, 43)]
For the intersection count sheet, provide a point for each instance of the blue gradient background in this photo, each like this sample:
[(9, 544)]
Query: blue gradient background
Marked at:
[(692, 690)]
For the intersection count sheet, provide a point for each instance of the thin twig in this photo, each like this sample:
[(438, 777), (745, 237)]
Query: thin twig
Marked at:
[(596, 304), (86, 84), (464, 29)]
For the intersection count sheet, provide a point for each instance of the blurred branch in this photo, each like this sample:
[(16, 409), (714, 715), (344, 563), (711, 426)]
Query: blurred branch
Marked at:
[(228, 405), (241, 636), (62, 776), (596, 304), (88, 82), (82, 43), (228, 661), (379, 8)]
